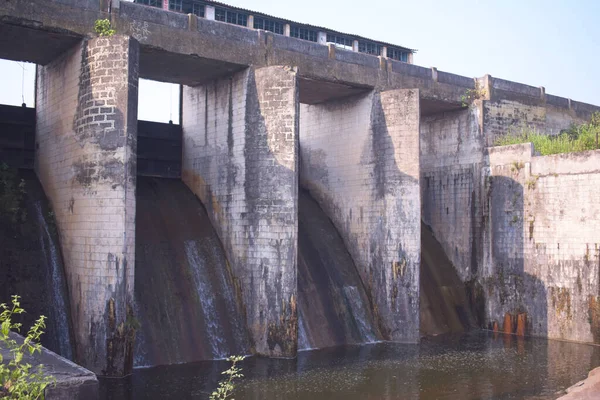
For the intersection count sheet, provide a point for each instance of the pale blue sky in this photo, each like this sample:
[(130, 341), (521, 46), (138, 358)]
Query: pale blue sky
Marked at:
[(549, 43)]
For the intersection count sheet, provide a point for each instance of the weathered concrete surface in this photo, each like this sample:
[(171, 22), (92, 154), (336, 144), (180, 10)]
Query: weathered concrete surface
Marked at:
[(587, 389), (360, 161), (483, 221), (541, 248), (240, 155), (73, 382), (452, 155), (86, 161)]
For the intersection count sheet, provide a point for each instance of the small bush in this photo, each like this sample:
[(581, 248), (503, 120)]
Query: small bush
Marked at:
[(103, 28), (18, 380), (473, 94), (225, 389), (577, 138)]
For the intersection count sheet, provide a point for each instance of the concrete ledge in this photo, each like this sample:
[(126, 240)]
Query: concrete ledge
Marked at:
[(73, 382), (503, 155), (153, 14), (557, 101), (300, 46), (515, 87), (85, 4), (453, 79), (228, 31), (353, 57), (411, 69)]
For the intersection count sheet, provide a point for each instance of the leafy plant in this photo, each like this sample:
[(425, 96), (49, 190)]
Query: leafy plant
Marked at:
[(18, 379), (472, 94), (226, 387), (103, 28)]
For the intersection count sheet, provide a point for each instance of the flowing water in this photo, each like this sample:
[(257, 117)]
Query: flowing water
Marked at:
[(184, 290), (31, 264), (333, 307), (57, 287), (477, 365)]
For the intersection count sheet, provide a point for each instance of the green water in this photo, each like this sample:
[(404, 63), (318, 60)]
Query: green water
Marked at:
[(477, 365)]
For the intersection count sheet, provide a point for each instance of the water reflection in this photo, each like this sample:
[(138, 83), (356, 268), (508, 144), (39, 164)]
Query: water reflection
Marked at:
[(477, 365)]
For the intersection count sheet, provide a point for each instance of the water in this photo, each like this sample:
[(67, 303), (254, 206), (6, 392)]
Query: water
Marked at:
[(32, 267), (477, 365), (333, 306), (184, 290), (57, 288)]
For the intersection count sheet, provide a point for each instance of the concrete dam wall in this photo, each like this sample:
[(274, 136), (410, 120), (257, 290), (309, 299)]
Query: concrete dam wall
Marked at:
[(299, 169)]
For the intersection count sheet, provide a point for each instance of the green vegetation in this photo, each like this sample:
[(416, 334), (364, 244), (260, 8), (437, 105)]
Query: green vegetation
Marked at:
[(226, 387), (577, 138), (18, 380), (103, 28), (12, 191), (472, 94)]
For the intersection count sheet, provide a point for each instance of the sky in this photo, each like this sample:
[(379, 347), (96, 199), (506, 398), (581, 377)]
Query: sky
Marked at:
[(552, 43)]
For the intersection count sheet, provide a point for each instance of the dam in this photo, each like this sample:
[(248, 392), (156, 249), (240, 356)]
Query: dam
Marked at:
[(314, 194)]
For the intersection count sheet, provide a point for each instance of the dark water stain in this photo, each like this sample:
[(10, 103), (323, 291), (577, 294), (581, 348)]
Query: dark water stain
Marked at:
[(445, 307), (470, 366)]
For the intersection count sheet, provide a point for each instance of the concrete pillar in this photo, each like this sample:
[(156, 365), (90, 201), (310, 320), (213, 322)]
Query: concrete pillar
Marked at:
[(240, 154), (360, 161), (355, 45), (209, 12), (322, 37), (86, 160), (165, 4), (286, 30), (250, 23), (410, 58), (384, 52)]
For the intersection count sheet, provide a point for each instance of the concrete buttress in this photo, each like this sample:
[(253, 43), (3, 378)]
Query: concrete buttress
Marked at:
[(86, 161), (360, 161), (240, 156)]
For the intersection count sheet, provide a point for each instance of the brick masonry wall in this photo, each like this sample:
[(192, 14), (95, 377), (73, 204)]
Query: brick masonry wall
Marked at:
[(360, 161), (86, 161), (455, 193), (543, 251), (240, 151)]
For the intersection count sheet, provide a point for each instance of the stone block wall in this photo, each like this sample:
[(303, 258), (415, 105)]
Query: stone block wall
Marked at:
[(86, 161), (543, 248), (360, 161), (240, 152)]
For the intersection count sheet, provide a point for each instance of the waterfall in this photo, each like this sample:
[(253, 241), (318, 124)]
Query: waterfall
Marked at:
[(360, 314), (303, 341), (57, 287), (206, 295)]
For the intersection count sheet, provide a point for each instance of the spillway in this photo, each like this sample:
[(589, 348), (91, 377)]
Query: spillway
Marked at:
[(333, 306), (31, 265), (444, 304), (186, 302)]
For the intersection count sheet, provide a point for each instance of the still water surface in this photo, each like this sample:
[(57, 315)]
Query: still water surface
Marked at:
[(478, 365)]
